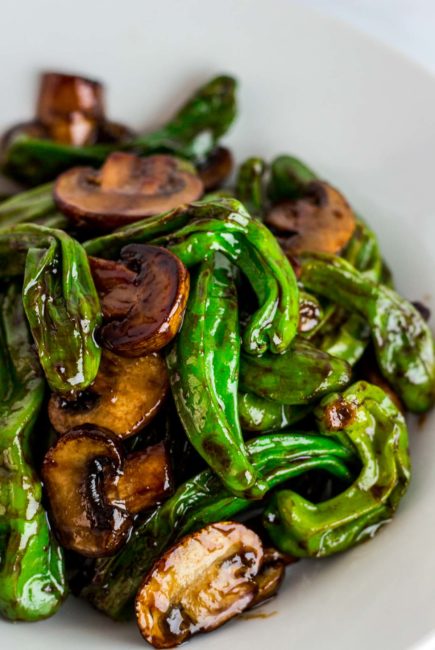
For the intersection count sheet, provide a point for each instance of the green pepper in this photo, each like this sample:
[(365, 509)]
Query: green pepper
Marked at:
[(28, 206), (249, 185), (199, 230), (204, 370), (259, 414), (402, 340), (203, 500), (366, 419), (32, 578), (288, 178), (226, 227), (300, 376), (60, 301), (192, 133)]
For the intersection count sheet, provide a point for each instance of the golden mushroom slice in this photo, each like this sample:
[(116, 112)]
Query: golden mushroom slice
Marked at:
[(143, 298), (126, 189), (146, 479), (77, 472), (199, 584), (125, 396), (320, 221)]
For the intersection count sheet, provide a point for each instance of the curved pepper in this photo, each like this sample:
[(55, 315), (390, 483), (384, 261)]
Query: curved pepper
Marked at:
[(249, 185), (288, 178), (301, 375), (259, 414), (204, 370), (192, 133), (203, 500), (35, 205), (367, 419), (202, 228), (403, 342), (60, 301), (224, 226), (32, 579)]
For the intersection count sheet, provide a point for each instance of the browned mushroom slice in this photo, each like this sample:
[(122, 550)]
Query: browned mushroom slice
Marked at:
[(70, 107), (216, 168), (143, 299), (146, 479), (270, 576), (321, 221), (127, 188), (199, 584), (125, 396), (76, 472)]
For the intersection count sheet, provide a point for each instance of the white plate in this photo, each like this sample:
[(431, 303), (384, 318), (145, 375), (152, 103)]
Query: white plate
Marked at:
[(365, 118)]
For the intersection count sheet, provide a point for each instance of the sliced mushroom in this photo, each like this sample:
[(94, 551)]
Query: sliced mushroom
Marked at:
[(216, 168), (125, 396), (270, 576), (76, 474), (143, 298), (199, 584), (146, 479), (127, 188), (321, 221)]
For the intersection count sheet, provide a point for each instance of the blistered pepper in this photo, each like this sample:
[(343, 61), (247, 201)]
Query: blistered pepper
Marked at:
[(32, 576), (365, 419)]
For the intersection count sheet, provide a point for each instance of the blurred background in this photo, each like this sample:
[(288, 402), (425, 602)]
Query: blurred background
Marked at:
[(407, 25)]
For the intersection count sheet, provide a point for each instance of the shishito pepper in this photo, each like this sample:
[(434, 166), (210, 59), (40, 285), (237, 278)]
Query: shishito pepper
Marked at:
[(60, 301), (36, 206), (366, 419), (260, 414), (249, 186), (402, 340), (192, 133), (32, 578), (204, 370), (199, 230), (203, 500), (300, 376)]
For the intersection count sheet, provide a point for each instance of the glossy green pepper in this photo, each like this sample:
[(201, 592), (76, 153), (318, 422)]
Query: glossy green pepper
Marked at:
[(249, 185), (300, 376), (35, 205), (402, 340), (288, 178), (366, 419), (259, 414), (199, 230), (226, 227), (32, 577), (203, 500), (60, 301), (204, 370), (192, 133)]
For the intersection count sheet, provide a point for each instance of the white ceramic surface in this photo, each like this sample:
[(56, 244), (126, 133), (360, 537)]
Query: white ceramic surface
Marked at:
[(365, 118)]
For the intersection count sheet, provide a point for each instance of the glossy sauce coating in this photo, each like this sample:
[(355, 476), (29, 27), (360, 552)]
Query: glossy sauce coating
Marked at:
[(143, 299)]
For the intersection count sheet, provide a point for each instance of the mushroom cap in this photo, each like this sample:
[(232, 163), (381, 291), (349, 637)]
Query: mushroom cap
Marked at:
[(143, 298), (61, 95), (199, 584), (76, 472), (125, 396), (126, 189), (321, 221)]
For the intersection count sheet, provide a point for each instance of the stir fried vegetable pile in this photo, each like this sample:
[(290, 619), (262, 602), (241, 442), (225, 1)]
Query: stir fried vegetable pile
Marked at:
[(179, 355)]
